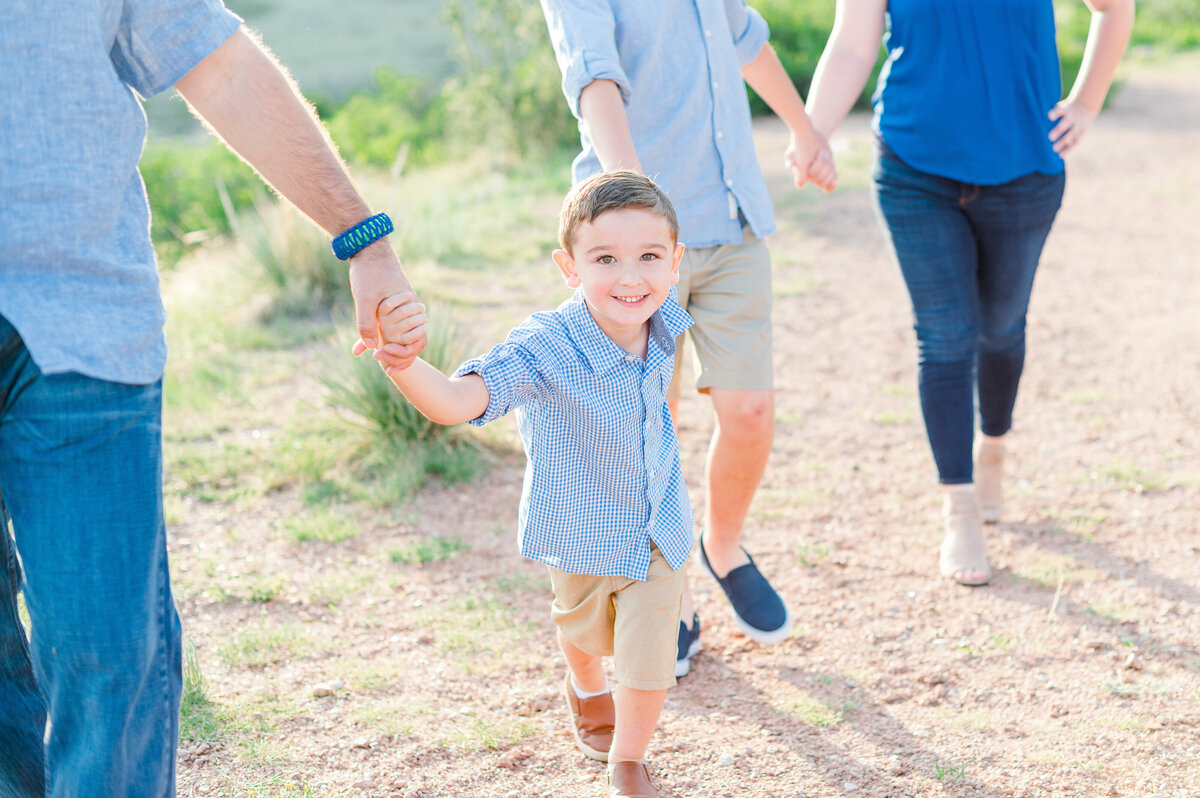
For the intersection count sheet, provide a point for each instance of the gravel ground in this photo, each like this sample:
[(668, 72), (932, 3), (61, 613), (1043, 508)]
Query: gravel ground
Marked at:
[(1075, 672)]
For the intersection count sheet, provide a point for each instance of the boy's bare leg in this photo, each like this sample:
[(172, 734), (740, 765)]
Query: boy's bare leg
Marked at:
[(637, 715), (587, 670), (737, 458)]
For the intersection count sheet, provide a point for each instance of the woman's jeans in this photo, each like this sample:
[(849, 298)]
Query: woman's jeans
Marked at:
[(89, 704), (968, 255)]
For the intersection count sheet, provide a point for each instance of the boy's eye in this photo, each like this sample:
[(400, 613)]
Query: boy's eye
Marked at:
[(649, 256), (607, 259)]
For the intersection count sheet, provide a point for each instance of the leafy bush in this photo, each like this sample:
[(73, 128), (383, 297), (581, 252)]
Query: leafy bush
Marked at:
[(400, 120), (508, 95), (363, 390), (185, 206), (799, 30), (292, 253)]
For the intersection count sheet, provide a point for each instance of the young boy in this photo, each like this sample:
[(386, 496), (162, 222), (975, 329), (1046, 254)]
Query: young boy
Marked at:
[(604, 504), (660, 88)]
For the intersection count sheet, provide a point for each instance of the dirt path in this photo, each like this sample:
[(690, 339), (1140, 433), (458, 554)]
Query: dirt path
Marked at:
[(1076, 672)]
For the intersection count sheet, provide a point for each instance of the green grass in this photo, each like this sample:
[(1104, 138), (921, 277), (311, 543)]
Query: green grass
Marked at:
[(946, 771), (267, 644), (1047, 568), (334, 49), (331, 590), (812, 554), (427, 550), (392, 717), (488, 732), (807, 709), (1132, 477), (479, 630), (321, 525)]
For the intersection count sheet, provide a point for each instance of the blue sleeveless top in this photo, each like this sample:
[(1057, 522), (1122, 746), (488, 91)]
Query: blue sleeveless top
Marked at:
[(967, 87)]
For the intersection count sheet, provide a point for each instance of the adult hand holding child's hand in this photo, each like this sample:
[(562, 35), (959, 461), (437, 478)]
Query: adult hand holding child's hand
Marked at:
[(810, 160), (380, 289)]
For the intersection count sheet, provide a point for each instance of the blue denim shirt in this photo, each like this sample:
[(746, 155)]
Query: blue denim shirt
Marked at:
[(603, 477), (678, 66), (77, 273)]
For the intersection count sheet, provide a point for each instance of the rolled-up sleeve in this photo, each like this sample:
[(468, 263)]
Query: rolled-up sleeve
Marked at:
[(583, 33), (511, 376), (749, 29), (160, 41)]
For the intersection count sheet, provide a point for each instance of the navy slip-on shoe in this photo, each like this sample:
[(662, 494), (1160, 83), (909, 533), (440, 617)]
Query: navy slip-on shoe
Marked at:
[(689, 646), (758, 610)]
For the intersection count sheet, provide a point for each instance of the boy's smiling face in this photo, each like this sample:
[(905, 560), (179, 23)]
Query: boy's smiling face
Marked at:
[(626, 261)]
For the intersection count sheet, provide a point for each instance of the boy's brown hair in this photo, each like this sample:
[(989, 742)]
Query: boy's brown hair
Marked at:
[(612, 191)]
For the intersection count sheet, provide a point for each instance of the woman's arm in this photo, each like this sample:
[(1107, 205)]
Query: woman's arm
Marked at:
[(846, 63), (1112, 22), (770, 80)]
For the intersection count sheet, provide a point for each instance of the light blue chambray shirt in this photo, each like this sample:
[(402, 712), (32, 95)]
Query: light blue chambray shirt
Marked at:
[(603, 476), (678, 66), (77, 273)]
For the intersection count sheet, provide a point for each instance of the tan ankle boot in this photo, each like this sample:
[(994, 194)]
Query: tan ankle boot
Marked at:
[(989, 479), (963, 558)]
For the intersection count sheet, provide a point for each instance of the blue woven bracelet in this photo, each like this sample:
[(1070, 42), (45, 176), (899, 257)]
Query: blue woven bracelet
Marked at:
[(362, 235)]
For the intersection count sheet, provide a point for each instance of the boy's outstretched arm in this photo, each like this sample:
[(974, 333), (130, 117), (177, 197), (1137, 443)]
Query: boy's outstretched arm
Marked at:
[(439, 398), (770, 80)]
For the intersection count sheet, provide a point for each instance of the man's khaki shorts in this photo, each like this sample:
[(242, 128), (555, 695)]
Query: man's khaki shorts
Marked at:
[(636, 623), (727, 290)]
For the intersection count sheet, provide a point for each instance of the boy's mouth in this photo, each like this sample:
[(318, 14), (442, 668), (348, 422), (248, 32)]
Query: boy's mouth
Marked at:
[(631, 300)]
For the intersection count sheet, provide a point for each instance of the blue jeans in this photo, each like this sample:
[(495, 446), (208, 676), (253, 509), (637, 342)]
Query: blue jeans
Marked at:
[(968, 255), (81, 483)]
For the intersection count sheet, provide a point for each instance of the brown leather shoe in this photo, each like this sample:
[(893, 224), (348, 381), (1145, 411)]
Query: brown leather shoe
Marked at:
[(630, 780), (592, 722)]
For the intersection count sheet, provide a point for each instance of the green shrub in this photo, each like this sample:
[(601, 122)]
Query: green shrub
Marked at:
[(508, 94), (799, 30), (185, 204), (359, 387), (293, 255), (400, 119)]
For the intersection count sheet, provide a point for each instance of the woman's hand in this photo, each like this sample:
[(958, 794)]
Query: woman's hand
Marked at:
[(1073, 120)]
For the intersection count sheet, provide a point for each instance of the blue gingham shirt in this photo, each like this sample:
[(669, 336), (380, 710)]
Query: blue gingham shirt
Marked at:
[(678, 66), (603, 476), (77, 273)]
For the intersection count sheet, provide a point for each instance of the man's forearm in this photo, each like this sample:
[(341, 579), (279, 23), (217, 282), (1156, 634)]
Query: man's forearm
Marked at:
[(243, 94), (246, 98)]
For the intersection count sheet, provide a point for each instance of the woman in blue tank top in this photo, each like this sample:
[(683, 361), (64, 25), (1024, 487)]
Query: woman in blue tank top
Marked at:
[(967, 179)]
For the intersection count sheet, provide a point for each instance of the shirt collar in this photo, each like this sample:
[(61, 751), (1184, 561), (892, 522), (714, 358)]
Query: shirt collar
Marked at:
[(600, 351)]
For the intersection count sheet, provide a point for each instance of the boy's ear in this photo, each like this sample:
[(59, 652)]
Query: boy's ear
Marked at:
[(675, 259), (566, 265)]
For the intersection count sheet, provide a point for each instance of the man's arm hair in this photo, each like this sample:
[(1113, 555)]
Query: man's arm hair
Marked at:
[(246, 98)]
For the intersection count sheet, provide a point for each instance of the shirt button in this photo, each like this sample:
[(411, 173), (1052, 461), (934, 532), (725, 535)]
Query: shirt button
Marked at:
[(720, 135), (716, 85), (708, 33), (728, 184)]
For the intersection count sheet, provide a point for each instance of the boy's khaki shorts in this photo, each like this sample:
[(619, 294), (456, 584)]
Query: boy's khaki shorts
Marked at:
[(636, 623), (727, 290)]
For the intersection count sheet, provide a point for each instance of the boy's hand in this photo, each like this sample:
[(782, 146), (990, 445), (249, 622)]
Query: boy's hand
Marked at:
[(809, 159), (822, 171), (402, 325), (375, 276)]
